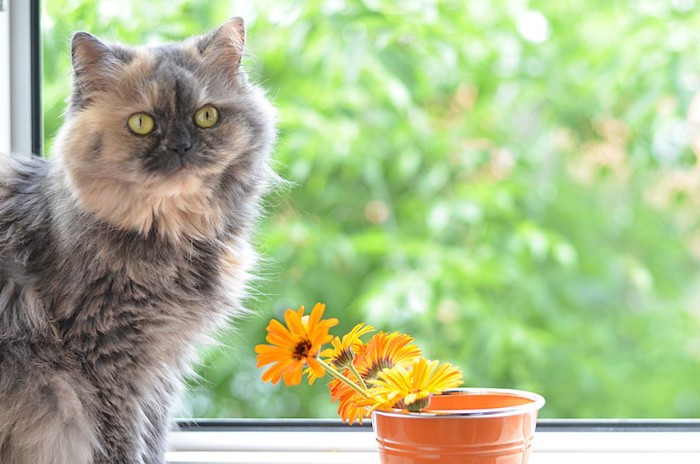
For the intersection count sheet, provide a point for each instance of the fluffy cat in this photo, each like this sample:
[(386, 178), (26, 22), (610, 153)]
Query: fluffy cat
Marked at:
[(131, 243)]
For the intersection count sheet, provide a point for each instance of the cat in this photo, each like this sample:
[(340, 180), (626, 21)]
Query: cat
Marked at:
[(125, 248)]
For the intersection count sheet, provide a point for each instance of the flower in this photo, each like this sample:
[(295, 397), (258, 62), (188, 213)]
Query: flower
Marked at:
[(411, 387), (385, 350), (343, 351), (386, 372), (353, 407), (294, 346)]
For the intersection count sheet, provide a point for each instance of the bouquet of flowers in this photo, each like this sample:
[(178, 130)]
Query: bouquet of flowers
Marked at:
[(386, 372)]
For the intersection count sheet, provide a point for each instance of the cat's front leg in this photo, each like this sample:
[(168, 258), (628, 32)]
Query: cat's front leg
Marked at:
[(43, 414), (159, 423), (121, 427), (156, 437)]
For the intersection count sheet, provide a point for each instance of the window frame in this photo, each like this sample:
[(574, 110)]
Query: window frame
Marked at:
[(5, 127), (21, 131), (311, 441)]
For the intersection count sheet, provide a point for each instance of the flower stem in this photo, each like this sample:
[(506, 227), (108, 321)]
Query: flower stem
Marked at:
[(353, 369), (334, 372)]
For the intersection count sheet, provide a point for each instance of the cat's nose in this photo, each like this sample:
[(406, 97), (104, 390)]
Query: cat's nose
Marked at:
[(181, 147)]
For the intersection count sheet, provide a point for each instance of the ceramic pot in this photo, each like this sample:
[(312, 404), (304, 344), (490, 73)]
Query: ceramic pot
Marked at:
[(462, 426)]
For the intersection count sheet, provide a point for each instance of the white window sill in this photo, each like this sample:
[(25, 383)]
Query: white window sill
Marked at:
[(671, 445)]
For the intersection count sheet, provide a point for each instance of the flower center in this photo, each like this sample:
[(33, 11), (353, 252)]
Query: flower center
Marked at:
[(418, 404), (301, 350), (377, 366), (344, 358)]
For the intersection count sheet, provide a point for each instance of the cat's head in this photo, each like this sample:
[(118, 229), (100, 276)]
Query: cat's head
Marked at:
[(155, 135)]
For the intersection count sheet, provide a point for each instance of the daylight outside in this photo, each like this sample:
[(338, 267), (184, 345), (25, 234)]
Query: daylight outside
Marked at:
[(514, 183)]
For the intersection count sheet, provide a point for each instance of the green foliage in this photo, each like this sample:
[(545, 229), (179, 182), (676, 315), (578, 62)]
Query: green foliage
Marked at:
[(511, 182)]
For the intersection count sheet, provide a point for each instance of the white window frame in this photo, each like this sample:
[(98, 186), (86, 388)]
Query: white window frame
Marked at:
[(5, 80), (20, 125), (329, 442)]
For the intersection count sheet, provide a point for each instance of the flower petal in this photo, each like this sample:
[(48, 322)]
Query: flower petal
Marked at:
[(316, 368), (293, 321)]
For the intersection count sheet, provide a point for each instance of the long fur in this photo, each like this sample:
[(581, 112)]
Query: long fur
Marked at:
[(114, 263)]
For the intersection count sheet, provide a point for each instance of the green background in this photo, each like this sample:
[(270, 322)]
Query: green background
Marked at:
[(512, 182)]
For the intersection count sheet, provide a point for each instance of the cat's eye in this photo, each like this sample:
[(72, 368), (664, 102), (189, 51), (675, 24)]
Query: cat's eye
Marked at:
[(206, 116), (141, 124)]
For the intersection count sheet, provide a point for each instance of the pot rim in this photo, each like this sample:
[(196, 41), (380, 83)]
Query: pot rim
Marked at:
[(536, 403)]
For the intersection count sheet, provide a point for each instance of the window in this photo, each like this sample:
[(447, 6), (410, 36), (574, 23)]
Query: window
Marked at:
[(4, 79), (20, 65), (523, 189)]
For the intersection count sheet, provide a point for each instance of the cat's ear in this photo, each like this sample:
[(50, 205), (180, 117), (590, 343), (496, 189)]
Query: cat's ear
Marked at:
[(224, 46), (94, 62)]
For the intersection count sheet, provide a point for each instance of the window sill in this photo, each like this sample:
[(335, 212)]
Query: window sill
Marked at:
[(327, 442)]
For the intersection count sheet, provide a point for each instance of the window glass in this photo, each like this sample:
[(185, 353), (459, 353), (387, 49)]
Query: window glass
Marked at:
[(516, 184)]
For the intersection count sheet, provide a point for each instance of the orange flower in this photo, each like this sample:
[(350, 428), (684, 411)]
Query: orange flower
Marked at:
[(386, 372), (352, 406), (295, 345), (411, 387), (383, 350), (343, 351)]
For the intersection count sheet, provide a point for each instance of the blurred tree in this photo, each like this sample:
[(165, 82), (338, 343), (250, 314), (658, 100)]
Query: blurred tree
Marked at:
[(511, 182)]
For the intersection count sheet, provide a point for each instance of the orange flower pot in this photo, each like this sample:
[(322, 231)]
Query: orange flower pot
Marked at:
[(462, 426)]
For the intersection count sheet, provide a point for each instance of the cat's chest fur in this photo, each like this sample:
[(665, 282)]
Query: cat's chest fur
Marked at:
[(140, 302), (130, 294), (115, 300)]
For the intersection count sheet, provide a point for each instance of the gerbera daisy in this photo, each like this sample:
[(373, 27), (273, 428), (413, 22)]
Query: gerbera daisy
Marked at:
[(411, 387), (343, 351), (382, 351), (295, 345), (352, 406), (385, 350)]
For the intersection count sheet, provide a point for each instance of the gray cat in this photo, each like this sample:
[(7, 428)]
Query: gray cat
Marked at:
[(121, 252)]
